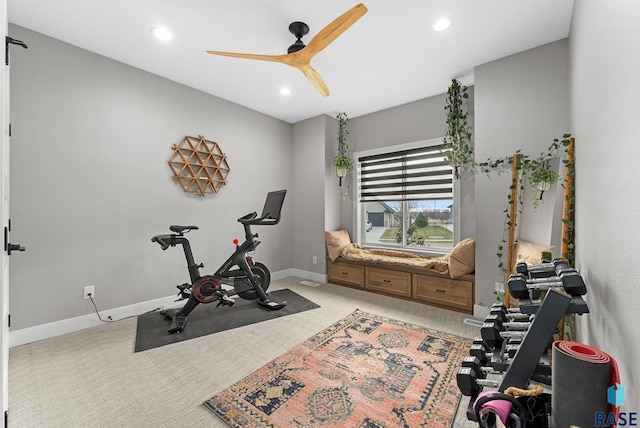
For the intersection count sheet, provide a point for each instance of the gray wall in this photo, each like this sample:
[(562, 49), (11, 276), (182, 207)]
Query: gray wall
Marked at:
[(604, 41), (416, 121), (334, 194), (521, 103), (308, 189), (90, 183)]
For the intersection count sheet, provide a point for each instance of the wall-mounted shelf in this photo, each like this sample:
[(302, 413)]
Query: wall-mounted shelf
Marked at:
[(199, 165)]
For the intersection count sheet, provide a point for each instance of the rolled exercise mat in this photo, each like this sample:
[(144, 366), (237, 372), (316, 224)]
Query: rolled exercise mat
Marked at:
[(580, 378)]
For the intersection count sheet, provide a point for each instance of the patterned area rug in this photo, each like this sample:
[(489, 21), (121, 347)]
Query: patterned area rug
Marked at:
[(364, 371)]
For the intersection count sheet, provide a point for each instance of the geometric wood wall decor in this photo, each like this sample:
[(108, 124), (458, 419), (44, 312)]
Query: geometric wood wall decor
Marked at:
[(199, 165)]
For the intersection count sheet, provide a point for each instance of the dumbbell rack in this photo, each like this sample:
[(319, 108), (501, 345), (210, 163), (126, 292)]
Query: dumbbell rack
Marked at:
[(530, 362)]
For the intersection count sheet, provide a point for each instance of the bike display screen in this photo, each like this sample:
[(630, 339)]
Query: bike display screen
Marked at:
[(273, 205)]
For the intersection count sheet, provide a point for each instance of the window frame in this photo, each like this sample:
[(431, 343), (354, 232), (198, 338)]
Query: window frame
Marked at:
[(359, 218)]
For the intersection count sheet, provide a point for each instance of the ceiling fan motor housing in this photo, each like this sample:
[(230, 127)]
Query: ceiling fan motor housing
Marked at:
[(299, 30)]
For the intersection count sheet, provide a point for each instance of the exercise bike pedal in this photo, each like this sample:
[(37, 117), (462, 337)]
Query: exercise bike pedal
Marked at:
[(184, 292), (226, 301)]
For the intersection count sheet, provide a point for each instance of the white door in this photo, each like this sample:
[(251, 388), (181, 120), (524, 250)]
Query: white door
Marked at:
[(4, 218), (5, 225)]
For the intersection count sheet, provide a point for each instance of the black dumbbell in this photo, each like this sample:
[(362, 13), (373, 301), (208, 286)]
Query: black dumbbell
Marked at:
[(480, 350), (503, 307), (487, 355), (494, 332), (470, 382), (506, 316), (476, 365), (482, 370), (552, 268), (570, 280)]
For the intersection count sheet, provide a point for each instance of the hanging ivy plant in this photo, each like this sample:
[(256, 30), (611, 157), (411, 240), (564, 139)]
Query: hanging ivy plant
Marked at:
[(342, 161), (568, 238), (457, 150), (456, 144), (535, 171)]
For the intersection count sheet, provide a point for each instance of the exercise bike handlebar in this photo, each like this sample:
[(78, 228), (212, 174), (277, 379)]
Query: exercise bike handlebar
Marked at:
[(163, 240), (253, 219)]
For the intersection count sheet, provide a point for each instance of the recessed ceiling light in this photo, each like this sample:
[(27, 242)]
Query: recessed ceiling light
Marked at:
[(285, 91), (442, 24), (161, 33)]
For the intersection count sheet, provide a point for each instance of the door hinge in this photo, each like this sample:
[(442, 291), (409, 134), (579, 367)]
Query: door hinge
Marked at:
[(6, 419), (9, 320)]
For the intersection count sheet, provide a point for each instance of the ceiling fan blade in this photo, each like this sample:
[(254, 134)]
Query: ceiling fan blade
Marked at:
[(332, 31), (301, 59), (316, 80), (273, 58)]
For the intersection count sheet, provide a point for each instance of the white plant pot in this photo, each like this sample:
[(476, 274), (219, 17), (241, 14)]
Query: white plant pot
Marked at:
[(544, 186)]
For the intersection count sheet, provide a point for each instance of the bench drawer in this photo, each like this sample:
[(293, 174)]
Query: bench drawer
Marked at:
[(388, 281), (348, 274), (455, 294)]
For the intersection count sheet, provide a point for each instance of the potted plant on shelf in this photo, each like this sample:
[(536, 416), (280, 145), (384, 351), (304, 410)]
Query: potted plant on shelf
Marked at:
[(456, 144), (342, 161)]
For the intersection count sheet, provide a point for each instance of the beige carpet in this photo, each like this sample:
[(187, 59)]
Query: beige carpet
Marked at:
[(92, 378)]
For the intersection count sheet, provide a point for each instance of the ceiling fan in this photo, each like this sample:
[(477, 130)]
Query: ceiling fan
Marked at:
[(299, 56)]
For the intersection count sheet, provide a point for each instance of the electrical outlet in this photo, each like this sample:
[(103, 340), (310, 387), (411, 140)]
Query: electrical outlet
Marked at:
[(499, 287), (314, 259), (89, 290)]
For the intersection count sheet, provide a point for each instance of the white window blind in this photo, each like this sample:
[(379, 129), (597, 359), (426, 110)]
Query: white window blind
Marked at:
[(407, 175)]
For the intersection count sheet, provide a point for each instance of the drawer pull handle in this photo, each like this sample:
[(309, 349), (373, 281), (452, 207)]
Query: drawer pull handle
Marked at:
[(440, 291), (345, 273), (387, 280)]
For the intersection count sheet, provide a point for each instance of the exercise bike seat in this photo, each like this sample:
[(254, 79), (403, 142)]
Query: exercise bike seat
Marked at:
[(180, 229)]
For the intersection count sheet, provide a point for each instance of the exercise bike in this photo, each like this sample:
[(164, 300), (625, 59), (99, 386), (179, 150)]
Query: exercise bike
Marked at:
[(249, 279)]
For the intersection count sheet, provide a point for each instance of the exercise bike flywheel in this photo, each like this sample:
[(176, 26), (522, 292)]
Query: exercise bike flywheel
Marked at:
[(205, 289), (243, 287)]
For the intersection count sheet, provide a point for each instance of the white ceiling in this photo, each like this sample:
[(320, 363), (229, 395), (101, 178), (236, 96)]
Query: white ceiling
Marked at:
[(391, 56)]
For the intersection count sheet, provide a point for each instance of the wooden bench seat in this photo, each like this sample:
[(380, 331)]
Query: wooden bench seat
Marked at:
[(408, 282)]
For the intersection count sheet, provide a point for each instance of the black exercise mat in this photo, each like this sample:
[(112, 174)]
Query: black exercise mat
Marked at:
[(205, 319)]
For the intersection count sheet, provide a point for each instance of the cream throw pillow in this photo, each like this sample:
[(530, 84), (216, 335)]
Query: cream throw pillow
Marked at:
[(530, 253), (462, 259), (336, 241)]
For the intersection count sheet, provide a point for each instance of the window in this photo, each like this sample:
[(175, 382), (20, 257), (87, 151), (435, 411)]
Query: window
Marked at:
[(406, 199)]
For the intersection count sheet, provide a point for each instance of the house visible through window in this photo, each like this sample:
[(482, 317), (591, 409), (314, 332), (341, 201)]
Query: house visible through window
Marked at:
[(406, 199)]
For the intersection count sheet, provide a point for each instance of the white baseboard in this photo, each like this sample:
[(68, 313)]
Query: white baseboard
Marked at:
[(318, 277), (480, 311), (281, 274), (45, 331)]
